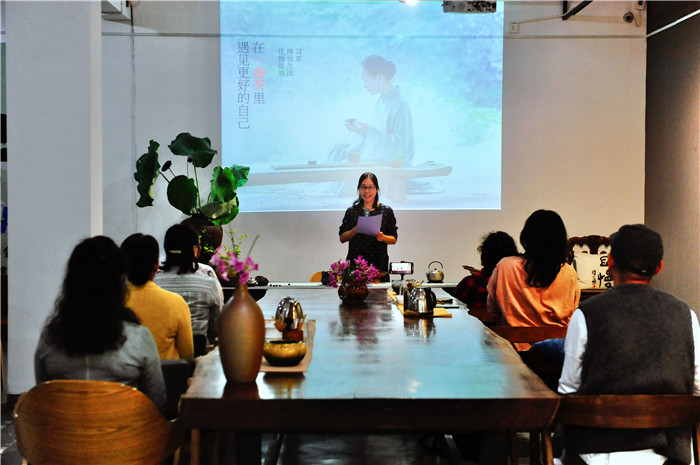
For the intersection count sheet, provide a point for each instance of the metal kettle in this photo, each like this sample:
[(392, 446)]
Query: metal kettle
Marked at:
[(435, 275), (289, 314), (421, 300)]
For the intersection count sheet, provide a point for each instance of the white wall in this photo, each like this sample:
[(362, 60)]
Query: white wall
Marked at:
[(573, 115), (54, 159), (573, 141)]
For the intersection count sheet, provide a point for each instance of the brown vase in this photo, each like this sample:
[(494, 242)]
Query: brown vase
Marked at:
[(241, 337), (353, 292)]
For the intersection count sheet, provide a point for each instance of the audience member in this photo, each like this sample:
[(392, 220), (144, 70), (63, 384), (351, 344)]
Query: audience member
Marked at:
[(179, 275), (538, 288), (472, 289), (164, 313), (210, 239), (210, 235), (92, 334), (631, 339)]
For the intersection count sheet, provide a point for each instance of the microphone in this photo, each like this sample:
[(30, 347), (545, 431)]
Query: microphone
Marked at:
[(366, 211)]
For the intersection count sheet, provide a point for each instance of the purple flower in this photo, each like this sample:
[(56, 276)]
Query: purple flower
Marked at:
[(356, 270), (372, 272), (228, 266)]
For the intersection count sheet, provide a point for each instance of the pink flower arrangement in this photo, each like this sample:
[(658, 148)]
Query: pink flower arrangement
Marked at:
[(229, 267), (358, 270)]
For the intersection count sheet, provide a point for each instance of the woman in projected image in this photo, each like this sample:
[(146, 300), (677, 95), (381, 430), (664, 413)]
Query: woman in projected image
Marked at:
[(371, 248), (389, 138)]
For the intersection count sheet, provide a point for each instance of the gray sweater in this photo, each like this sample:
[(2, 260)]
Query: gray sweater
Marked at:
[(640, 341), (136, 363)]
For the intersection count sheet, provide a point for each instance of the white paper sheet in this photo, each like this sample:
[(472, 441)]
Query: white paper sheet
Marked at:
[(369, 225)]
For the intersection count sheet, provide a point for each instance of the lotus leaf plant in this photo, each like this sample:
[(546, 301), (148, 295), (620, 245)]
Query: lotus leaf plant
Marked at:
[(221, 206)]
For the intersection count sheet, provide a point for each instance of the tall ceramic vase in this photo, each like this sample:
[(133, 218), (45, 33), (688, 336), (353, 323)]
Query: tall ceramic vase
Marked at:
[(241, 337)]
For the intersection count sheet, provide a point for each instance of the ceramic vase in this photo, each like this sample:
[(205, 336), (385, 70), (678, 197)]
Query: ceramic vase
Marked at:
[(241, 337), (353, 292)]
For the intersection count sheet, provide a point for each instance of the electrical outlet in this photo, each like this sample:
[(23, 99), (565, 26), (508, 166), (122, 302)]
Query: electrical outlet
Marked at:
[(514, 28)]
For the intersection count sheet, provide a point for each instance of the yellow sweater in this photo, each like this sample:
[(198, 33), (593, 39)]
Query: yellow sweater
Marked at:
[(167, 316)]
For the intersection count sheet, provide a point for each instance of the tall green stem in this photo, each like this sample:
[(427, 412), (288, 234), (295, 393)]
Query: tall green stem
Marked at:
[(196, 181)]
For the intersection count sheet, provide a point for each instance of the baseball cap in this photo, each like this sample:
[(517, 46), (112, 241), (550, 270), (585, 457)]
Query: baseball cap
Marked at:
[(637, 249)]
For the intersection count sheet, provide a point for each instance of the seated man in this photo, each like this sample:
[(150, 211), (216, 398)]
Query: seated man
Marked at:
[(632, 339), (164, 313)]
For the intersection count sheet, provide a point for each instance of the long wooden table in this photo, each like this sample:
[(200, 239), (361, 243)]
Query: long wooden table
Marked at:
[(374, 371)]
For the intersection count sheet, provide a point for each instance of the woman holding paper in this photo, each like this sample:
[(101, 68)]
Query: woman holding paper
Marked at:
[(364, 237)]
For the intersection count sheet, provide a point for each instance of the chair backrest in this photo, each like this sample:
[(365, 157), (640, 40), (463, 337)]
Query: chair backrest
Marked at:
[(199, 342), (176, 374), (529, 334), (593, 242), (632, 411), (95, 422)]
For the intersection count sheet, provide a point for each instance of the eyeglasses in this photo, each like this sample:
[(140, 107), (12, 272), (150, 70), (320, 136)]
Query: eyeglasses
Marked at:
[(367, 188)]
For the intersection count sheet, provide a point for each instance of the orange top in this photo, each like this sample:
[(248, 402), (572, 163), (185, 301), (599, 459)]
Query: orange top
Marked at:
[(513, 303), (167, 316)]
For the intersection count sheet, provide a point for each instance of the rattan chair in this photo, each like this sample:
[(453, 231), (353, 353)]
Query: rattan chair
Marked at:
[(92, 422)]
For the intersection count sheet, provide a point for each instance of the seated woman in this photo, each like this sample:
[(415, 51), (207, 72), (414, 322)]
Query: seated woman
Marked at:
[(91, 334), (164, 313), (538, 288), (179, 275), (210, 238), (472, 289)]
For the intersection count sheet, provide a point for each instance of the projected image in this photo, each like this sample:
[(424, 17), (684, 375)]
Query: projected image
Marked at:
[(316, 93)]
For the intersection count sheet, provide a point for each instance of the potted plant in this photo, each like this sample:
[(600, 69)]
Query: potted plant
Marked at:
[(221, 205), (351, 278)]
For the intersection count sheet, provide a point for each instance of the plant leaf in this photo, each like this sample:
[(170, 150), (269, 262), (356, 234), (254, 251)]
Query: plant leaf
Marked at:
[(147, 167), (221, 213), (182, 194), (223, 185), (196, 148), (241, 174)]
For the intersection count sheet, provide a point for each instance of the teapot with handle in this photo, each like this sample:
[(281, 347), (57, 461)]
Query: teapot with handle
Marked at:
[(421, 300), (435, 275), (289, 314)]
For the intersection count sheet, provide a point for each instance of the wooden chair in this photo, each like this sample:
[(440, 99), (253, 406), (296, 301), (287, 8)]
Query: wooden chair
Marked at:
[(544, 369), (529, 334), (95, 422), (176, 374), (631, 411), (199, 342)]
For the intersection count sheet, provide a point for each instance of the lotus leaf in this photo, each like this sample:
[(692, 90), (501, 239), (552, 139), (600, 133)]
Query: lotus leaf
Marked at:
[(221, 213), (183, 191), (197, 149), (182, 194)]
